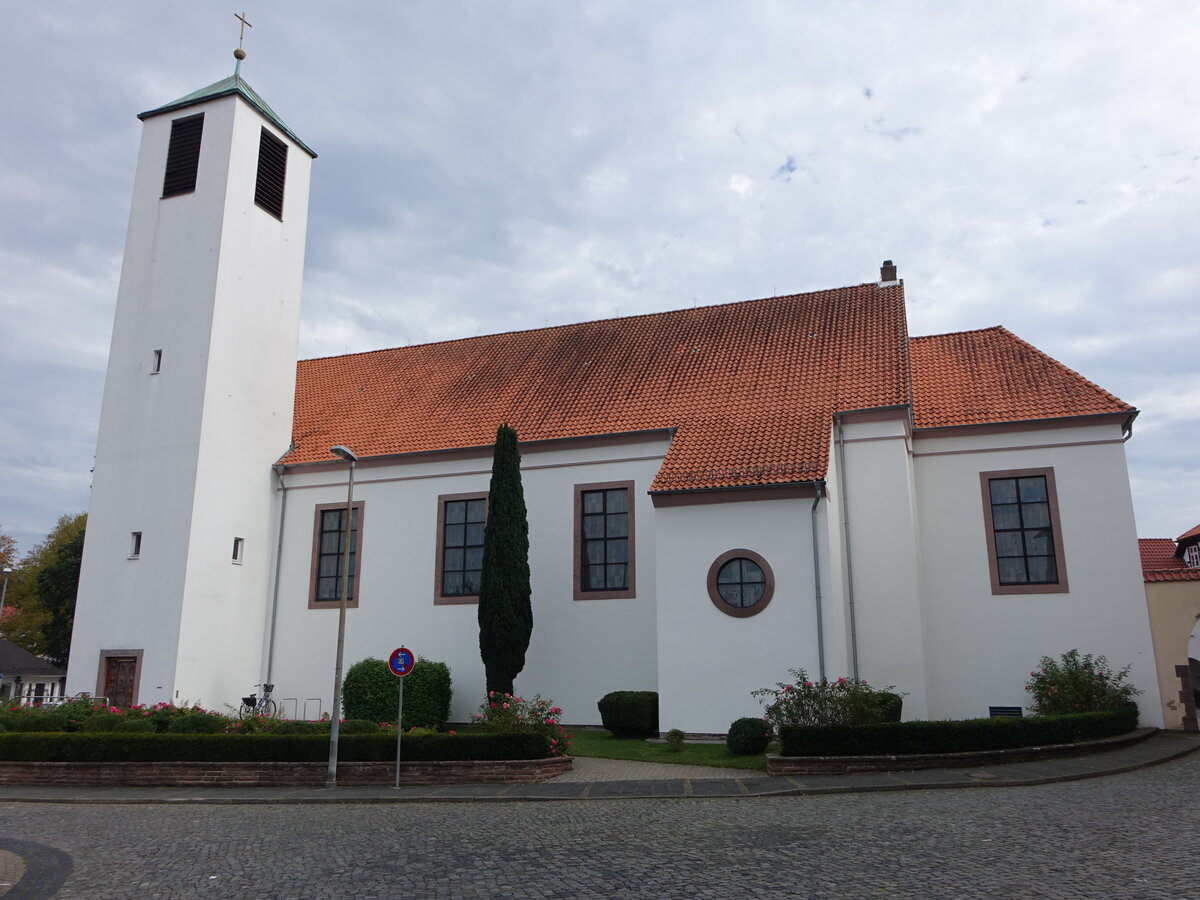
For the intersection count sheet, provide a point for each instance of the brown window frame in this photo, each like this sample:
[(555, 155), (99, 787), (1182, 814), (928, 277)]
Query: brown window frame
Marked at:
[(740, 612), (1060, 561), (352, 601), (630, 590), (442, 500)]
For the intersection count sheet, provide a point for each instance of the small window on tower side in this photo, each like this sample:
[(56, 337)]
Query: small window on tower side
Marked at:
[(238, 545), (183, 156), (135, 544), (272, 172), (156, 365)]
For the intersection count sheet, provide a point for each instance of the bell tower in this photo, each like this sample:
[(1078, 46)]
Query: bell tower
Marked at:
[(197, 404)]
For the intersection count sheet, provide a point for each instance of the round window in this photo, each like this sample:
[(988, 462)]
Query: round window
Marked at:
[(740, 583)]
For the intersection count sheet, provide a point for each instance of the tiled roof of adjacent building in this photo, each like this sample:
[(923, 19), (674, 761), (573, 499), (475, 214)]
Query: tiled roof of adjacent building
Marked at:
[(990, 376), (17, 662), (1188, 535), (749, 389), (1159, 562)]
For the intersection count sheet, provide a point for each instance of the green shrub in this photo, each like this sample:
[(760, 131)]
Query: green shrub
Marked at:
[(135, 726), (891, 706), (509, 714), (370, 691), (40, 721), (846, 701), (298, 727), (1075, 683), (427, 695), (196, 723), (174, 747), (674, 740), (630, 714), (358, 726), (101, 722), (748, 737), (969, 735)]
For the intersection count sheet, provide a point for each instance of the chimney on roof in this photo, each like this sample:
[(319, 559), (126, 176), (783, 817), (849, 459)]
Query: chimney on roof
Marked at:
[(887, 272)]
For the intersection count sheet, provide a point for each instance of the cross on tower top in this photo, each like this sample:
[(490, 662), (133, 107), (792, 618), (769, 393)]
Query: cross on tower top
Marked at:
[(239, 54), (242, 28)]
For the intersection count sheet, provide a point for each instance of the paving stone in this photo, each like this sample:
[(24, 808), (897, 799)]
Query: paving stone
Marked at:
[(717, 787), (663, 788)]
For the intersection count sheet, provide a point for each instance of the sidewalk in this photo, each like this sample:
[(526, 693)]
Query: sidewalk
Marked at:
[(608, 779)]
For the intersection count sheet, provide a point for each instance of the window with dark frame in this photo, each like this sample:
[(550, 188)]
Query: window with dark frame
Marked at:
[(238, 545), (157, 363), (183, 155), (462, 546), (741, 583), (1022, 530), (331, 533), (272, 173), (135, 544), (604, 564)]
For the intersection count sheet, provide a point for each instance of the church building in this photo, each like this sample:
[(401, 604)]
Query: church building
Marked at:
[(716, 495)]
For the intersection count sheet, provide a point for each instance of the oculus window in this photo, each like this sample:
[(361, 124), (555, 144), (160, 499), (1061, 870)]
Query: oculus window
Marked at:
[(740, 583)]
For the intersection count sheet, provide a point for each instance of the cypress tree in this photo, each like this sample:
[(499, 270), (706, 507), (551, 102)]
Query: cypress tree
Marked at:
[(505, 614)]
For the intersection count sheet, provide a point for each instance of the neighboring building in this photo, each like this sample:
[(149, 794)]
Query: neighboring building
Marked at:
[(715, 494), (1171, 570), (30, 678)]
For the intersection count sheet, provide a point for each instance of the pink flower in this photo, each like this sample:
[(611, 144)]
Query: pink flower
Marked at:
[(551, 722), (451, 732), (841, 681), (787, 687), (493, 705), (491, 693), (506, 706), (808, 684)]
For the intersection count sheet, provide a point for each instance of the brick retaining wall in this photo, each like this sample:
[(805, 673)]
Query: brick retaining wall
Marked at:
[(843, 765), (278, 774)]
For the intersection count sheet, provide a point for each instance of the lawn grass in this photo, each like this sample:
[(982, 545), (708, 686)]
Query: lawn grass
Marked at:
[(603, 745)]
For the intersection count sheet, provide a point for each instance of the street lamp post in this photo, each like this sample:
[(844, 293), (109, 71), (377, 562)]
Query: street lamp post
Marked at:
[(331, 775)]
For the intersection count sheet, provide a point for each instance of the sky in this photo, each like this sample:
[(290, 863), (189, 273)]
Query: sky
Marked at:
[(491, 166)]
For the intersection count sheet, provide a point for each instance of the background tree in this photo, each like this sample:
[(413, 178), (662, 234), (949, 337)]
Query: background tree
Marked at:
[(42, 592), (505, 614)]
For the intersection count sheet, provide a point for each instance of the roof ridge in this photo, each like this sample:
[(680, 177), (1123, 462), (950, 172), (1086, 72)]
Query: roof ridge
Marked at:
[(567, 325), (929, 337)]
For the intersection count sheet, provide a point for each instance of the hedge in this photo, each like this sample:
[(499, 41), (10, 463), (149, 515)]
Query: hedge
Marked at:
[(630, 713), (110, 747), (907, 738)]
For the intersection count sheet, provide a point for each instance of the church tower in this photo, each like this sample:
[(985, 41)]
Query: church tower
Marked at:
[(197, 407)]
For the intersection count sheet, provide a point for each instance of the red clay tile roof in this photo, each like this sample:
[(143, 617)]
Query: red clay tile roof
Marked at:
[(1188, 535), (991, 375), (1160, 564), (750, 387)]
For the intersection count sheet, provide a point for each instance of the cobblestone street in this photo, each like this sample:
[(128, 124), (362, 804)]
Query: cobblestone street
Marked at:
[(1126, 836)]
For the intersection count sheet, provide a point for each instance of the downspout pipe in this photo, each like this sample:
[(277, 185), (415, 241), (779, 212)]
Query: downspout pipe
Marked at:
[(818, 489), (842, 479), (278, 469)]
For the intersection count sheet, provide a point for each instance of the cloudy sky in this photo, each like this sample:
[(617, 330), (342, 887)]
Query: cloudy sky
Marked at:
[(487, 166)]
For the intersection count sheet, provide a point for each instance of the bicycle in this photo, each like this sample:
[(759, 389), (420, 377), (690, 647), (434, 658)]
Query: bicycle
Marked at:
[(258, 706)]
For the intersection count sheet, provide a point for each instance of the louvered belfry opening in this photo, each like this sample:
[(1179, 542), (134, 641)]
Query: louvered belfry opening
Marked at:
[(272, 171), (183, 155)]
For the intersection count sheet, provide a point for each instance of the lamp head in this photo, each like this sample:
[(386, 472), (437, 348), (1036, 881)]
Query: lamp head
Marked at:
[(344, 452)]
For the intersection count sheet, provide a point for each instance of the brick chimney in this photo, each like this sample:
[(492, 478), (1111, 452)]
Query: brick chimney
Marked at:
[(887, 272)]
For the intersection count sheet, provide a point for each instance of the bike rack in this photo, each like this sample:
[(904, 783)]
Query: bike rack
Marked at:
[(283, 707), (307, 716)]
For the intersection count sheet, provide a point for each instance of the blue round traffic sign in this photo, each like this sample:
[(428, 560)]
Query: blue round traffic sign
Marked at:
[(401, 661)]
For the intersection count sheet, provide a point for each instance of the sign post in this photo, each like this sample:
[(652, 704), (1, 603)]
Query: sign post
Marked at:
[(401, 662)]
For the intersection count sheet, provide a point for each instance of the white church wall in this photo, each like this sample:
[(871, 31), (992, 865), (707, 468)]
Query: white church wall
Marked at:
[(981, 646), (709, 661), (579, 650), (884, 556)]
